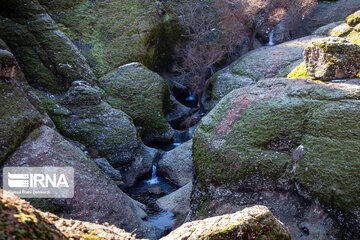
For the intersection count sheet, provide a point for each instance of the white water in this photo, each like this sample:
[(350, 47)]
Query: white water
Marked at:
[(191, 97), (154, 179), (271, 38)]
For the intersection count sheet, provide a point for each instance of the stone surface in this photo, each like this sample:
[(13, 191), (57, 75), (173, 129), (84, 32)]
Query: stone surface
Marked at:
[(81, 115), (141, 166), (93, 190), (47, 56), (177, 164), (246, 143), (177, 202), (353, 19), (110, 33), (143, 95), (18, 117), (332, 58), (22, 221), (105, 166), (265, 62), (328, 29), (252, 223)]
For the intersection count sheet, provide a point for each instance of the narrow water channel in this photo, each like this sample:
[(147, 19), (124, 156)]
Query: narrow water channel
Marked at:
[(148, 191)]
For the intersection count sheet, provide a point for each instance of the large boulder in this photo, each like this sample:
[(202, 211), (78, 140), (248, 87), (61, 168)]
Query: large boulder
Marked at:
[(177, 164), (81, 115), (252, 223), (332, 58), (47, 56), (143, 95), (277, 136), (93, 190), (20, 220), (18, 116), (110, 33), (265, 62)]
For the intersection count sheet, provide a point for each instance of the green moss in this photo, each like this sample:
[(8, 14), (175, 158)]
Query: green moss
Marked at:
[(354, 37), (110, 33), (299, 72), (353, 19)]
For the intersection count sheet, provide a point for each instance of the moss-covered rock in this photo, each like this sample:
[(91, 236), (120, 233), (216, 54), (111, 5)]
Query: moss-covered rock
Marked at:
[(265, 62), (299, 72), (47, 56), (353, 19), (21, 220), (143, 95), (332, 58), (110, 33), (93, 190), (277, 132), (256, 222), (18, 116), (81, 115)]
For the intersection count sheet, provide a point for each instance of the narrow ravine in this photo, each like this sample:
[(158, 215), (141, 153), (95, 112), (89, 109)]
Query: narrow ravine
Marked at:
[(148, 191)]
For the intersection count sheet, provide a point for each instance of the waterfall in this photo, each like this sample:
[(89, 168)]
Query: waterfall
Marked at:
[(154, 178), (271, 38), (191, 97)]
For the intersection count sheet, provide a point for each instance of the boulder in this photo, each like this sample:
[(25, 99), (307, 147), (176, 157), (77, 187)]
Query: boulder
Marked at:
[(265, 62), (328, 29), (105, 166), (142, 165), (332, 58), (280, 135), (353, 19), (177, 202), (143, 95), (177, 164), (93, 189), (110, 33), (35, 224), (256, 222), (81, 115), (18, 116), (47, 56)]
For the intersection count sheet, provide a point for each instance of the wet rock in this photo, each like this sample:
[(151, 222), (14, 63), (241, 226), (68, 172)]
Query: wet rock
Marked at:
[(177, 164), (141, 166), (177, 110), (252, 223), (143, 95), (246, 144), (155, 189), (332, 58), (93, 189), (177, 202)]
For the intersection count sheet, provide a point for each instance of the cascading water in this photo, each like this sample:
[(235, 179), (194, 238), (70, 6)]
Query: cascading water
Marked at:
[(148, 191), (271, 39)]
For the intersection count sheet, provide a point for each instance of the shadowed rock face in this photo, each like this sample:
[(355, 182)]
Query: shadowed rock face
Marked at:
[(93, 189), (281, 135), (332, 58), (251, 223), (110, 33)]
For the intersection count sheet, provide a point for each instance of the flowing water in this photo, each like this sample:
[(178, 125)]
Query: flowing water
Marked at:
[(148, 191), (271, 39)]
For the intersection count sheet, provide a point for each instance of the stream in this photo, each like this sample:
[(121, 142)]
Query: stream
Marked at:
[(148, 191)]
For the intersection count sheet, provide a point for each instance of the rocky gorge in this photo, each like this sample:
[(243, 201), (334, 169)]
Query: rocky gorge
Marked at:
[(275, 155)]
